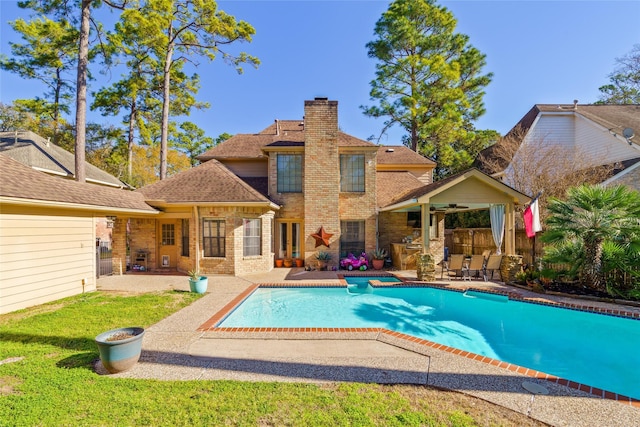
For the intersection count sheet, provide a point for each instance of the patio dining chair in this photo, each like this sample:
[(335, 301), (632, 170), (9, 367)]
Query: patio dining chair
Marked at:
[(455, 265), (493, 264), (476, 264)]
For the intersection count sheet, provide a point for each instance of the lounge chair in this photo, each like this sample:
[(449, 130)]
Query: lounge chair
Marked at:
[(476, 264), (454, 264), (493, 264)]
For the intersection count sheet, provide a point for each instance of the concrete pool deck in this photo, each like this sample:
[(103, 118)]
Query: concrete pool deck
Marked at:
[(175, 349)]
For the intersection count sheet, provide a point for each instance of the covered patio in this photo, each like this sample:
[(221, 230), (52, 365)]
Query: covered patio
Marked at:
[(426, 207)]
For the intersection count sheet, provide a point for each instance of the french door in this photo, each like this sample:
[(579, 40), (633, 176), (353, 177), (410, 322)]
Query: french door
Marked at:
[(289, 239)]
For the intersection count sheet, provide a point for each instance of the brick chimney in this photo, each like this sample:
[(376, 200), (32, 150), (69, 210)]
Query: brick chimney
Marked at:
[(321, 173)]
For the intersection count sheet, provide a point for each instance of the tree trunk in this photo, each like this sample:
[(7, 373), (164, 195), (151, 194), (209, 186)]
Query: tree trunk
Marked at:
[(166, 92), (81, 91), (593, 264), (132, 120)]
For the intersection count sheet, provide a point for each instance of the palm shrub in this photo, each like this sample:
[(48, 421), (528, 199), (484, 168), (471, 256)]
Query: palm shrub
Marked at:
[(596, 230)]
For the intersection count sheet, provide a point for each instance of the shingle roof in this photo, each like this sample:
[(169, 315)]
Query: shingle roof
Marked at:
[(393, 186), (399, 154), (21, 182), (613, 117), (290, 134), (209, 182), (32, 150)]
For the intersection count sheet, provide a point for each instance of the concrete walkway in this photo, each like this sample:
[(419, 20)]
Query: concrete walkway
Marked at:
[(174, 349)]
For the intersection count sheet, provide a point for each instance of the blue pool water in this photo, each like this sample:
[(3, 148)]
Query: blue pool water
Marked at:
[(598, 350)]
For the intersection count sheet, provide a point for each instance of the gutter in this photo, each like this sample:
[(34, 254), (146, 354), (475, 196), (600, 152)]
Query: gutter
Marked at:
[(14, 201)]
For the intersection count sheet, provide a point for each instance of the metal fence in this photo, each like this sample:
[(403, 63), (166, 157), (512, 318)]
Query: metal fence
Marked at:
[(104, 255)]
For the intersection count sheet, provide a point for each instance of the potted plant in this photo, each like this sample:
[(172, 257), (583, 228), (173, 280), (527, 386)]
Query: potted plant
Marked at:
[(323, 259), (120, 348), (299, 262), (378, 257), (279, 262), (288, 262), (198, 283)]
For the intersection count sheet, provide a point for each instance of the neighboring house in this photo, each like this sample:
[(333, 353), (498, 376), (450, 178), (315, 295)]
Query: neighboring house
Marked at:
[(587, 135), (40, 154), (286, 191), (48, 233)]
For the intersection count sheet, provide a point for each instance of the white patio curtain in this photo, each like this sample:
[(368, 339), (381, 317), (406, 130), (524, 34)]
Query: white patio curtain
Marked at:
[(496, 213)]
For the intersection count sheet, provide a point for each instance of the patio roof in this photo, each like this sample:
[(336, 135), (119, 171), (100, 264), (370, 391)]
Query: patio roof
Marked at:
[(468, 190)]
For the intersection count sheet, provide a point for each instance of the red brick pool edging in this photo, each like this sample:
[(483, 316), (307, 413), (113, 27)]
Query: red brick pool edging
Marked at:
[(210, 326)]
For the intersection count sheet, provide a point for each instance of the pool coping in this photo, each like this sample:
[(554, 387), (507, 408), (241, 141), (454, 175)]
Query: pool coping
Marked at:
[(405, 341)]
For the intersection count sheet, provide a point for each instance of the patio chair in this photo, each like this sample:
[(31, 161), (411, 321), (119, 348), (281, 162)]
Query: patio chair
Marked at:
[(493, 264), (454, 264), (476, 264)]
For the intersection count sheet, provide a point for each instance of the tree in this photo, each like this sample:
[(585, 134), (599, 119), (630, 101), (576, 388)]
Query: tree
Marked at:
[(428, 81), (588, 218), (625, 80), (540, 165), (65, 9), (48, 54), (179, 31), (192, 141)]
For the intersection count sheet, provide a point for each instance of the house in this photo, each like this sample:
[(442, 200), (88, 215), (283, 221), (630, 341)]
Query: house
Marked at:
[(576, 136), (289, 191), (48, 233), (295, 188)]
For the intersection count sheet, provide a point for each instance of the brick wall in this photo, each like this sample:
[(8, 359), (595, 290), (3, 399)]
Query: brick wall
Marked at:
[(362, 206), (143, 237)]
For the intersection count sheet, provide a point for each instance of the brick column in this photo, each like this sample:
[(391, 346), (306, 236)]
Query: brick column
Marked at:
[(119, 245), (321, 175)]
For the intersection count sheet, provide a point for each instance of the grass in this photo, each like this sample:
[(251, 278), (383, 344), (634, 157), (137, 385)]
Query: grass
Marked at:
[(50, 381)]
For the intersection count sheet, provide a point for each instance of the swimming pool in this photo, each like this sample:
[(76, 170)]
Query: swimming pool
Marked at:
[(598, 350)]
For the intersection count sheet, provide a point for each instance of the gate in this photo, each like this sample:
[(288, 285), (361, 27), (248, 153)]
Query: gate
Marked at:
[(104, 256)]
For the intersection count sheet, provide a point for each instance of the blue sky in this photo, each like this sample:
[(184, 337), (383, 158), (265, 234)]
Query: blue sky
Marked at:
[(539, 51)]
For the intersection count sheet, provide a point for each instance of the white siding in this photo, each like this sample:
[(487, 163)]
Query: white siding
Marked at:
[(602, 145), (44, 256)]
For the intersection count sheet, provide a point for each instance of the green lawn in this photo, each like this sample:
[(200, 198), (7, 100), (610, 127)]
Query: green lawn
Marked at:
[(54, 383)]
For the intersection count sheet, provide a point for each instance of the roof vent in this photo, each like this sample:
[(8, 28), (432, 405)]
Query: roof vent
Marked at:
[(575, 104), (321, 98), (389, 150)]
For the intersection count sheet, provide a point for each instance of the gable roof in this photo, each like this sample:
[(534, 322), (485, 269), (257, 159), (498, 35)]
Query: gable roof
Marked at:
[(34, 151), (615, 118), (284, 133), (435, 188), (20, 184), (210, 182)]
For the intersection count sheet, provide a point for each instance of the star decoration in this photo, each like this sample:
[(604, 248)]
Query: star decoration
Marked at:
[(322, 237)]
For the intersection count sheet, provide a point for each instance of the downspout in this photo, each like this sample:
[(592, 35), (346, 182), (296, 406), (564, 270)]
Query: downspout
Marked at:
[(197, 236)]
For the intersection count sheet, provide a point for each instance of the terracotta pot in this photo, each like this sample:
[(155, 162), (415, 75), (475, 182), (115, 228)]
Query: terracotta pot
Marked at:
[(279, 262), (299, 262), (378, 264), (288, 263)]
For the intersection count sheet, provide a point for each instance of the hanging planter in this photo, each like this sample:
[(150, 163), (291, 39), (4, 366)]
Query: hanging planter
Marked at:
[(120, 348)]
